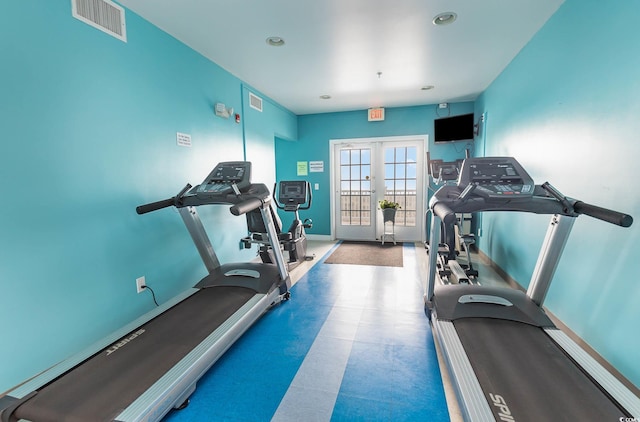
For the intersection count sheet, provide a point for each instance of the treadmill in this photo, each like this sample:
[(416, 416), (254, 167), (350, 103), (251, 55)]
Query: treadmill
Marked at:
[(152, 365), (507, 360)]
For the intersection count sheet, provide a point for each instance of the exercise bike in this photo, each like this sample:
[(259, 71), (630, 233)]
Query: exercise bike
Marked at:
[(290, 196)]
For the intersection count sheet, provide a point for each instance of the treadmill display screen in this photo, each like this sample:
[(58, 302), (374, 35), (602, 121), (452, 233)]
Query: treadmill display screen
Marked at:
[(225, 178), (228, 174), (497, 178), (493, 173)]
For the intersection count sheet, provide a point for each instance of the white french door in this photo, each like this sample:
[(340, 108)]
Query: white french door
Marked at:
[(366, 171)]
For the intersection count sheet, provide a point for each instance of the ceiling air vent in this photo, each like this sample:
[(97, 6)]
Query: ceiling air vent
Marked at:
[(255, 102), (102, 14)]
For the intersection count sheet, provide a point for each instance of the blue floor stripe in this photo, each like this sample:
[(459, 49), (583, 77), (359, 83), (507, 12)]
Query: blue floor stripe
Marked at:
[(389, 373)]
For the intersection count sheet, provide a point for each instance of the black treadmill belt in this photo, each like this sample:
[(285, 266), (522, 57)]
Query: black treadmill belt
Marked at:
[(534, 377), (103, 386)]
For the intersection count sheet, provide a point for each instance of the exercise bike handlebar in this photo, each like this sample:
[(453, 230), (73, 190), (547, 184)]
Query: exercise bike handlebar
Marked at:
[(310, 193), (165, 203), (246, 206), (610, 216)]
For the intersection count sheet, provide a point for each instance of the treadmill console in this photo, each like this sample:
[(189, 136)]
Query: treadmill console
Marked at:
[(292, 192), (226, 178), (497, 178)]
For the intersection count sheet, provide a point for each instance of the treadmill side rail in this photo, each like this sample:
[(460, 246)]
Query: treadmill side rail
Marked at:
[(471, 399), (607, 381)]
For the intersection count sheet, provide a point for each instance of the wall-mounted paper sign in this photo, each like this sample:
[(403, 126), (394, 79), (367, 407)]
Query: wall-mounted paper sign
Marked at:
[(302, 168), (316, 166), (183, 139)]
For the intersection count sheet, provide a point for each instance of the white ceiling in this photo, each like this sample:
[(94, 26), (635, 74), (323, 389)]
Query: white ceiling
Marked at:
[(337, 47)]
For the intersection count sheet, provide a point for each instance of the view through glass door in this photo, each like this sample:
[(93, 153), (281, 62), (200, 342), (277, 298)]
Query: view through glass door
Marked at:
[(355, 192), (369, 170)]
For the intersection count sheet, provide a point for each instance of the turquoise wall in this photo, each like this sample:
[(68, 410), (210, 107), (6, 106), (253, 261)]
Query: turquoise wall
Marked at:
[(567, 108), (89, 132), (262, 128), (316, 130)]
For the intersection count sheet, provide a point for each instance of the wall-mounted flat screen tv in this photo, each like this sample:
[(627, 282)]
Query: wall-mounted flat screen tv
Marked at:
[(456, 128)]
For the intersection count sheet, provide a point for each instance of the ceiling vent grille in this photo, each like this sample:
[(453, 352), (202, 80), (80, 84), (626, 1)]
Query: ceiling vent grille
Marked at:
[(104, 15), (255, 102)]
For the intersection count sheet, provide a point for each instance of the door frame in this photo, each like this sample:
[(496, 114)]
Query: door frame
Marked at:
[(377, 141)]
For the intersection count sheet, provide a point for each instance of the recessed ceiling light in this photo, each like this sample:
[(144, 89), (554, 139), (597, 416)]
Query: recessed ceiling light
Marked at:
[(325, 97), (427, 87), (275, 41), (445, 18)]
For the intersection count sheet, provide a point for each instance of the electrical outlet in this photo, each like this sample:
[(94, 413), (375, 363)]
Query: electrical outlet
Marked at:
[(140, 284)]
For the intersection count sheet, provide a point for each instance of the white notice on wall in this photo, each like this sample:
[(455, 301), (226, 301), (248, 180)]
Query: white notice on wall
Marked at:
[(183, 139), (316, 166)]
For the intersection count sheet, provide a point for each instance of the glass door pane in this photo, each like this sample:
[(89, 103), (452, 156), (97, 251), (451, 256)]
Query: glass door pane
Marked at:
[(401, 182), (355, 192)]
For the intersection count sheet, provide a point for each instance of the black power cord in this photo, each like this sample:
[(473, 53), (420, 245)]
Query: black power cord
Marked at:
[(152, 294)]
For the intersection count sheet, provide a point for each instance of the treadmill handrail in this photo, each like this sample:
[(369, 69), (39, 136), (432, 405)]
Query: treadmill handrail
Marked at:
[(155, 206), (165, 203), (445, 213), (188, 198), (246, 206), (539, 203), (604, 214)]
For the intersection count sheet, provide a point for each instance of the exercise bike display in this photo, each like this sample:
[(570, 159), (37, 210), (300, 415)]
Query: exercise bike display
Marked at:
[(506, 358), (292, 196)]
